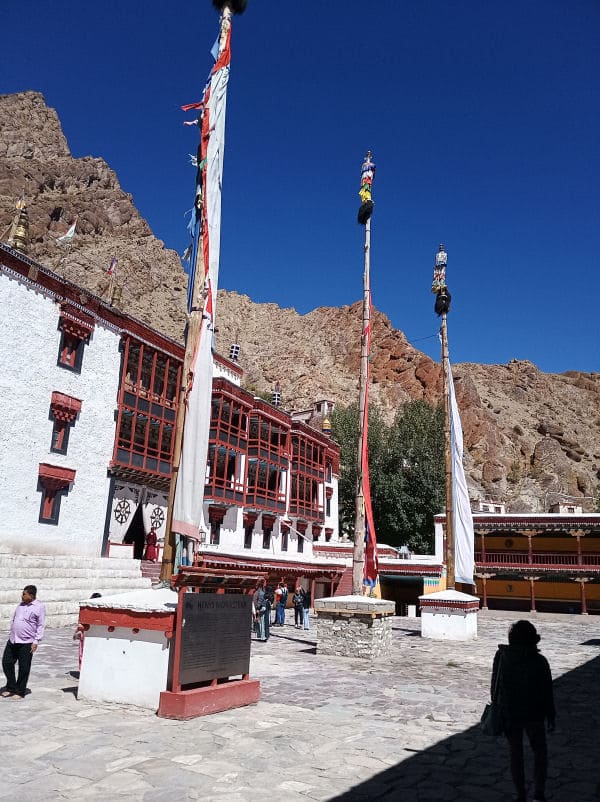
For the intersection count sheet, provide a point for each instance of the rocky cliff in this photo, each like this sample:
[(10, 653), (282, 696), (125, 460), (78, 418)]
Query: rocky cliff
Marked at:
[(529, 435), (35, 157)]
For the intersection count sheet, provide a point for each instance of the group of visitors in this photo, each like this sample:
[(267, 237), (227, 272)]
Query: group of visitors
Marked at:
[(263, 601)]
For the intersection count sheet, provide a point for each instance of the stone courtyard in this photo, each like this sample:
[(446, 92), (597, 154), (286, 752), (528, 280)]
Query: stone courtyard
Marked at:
[(326, 728)]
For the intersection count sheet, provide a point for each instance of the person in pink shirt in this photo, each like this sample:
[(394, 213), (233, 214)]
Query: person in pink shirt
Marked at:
[(26, 632)]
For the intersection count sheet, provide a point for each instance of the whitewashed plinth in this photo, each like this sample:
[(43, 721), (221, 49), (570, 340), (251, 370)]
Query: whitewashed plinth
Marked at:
[(126, 647), (449, 615), (354, 626)]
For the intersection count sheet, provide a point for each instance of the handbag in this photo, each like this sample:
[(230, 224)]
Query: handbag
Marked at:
[(491, 718)]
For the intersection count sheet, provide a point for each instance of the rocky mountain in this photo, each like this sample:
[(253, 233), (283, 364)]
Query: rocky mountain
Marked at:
[(529, 435), (35, 157)]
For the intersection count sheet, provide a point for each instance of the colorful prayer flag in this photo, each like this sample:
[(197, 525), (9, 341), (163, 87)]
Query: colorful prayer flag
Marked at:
[(20, 203), (112, 267)]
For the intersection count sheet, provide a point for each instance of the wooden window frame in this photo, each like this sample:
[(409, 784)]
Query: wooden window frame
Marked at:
[(54, 482), (147, 408)]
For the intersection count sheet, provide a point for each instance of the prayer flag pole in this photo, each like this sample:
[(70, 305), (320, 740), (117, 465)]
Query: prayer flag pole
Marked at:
[(442, 307), (363, 524), (186, 491)]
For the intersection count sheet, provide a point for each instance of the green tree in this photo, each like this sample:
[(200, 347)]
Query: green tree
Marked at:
[(406, 466), (416, 470), (345, 430)]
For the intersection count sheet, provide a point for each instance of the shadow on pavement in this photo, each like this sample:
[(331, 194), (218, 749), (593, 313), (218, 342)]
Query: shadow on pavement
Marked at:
[(471, 767), (296, 640)]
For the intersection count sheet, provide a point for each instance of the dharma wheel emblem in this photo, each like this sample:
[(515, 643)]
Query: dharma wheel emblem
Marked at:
[(122, 511), (157, 518)]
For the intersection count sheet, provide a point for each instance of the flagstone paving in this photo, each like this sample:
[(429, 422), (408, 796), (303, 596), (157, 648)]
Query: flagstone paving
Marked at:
[(326, 728)]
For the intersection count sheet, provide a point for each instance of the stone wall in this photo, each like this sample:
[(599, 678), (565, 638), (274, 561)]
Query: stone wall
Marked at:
[(354, 626)]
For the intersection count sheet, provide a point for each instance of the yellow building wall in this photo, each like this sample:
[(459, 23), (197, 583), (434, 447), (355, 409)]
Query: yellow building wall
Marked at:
[(520, 589)]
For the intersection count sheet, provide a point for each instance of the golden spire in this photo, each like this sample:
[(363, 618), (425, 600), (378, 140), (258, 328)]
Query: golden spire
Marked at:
[(19, 230)]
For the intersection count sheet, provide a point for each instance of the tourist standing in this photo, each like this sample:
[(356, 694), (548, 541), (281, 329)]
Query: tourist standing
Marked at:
[(298, 600), (259, 610), (306, 609), (279, 608), (26, 632), (526, 701)]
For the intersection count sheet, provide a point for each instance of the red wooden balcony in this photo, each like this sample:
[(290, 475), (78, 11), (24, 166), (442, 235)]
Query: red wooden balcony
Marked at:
[(521, 559)]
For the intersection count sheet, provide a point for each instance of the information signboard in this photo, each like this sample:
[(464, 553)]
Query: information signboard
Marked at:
[(215, 636)]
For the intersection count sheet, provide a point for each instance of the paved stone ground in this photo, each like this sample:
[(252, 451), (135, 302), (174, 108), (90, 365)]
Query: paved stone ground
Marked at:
[(326, 728)]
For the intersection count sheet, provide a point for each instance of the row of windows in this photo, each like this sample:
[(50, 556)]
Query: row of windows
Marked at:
[(149, 373), (147, 409)]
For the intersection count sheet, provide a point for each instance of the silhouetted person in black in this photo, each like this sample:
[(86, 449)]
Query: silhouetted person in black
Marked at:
[(526, 702)]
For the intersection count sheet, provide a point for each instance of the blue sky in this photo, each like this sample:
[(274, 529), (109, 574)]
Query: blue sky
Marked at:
[(483, 120)]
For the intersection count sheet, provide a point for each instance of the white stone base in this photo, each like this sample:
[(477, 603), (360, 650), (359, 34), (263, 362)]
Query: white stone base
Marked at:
[(354, 626), (449, 615), (127, 663), (124, 667)]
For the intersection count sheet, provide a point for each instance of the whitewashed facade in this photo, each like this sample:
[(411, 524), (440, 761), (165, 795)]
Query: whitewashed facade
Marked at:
[(30, 338)]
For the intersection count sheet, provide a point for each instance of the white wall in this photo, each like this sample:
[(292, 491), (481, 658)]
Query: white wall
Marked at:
[(232, 537), (123, 666), (29, 343)]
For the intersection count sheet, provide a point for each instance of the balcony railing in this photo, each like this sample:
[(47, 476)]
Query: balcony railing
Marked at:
[(540, 559)]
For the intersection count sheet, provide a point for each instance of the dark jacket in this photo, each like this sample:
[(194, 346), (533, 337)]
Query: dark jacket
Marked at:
[(525, 685)]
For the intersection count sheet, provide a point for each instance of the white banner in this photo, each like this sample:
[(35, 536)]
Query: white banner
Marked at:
[(188, 515), (464, 540)]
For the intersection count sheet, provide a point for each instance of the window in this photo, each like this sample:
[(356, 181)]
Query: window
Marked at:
[(54, 483), (64, 409), (147, 408), (328, 506), (70, 353), (300, 543), (248, 530), (249, 519), (76, 328), (267, 525), (215, 516), (60, 437), (285, 536), (215, 533), (307, 476)]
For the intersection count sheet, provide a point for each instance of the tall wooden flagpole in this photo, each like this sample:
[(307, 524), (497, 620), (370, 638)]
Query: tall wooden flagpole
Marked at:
[(442, 307), (364, 217), (198, 297)]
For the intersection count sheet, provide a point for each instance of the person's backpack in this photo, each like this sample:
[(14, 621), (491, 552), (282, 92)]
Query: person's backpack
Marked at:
[(284, 596)]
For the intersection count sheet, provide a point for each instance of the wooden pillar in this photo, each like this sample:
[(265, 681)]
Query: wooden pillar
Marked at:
[(532, 593), (483, 549), (312, 592), (584, 610), (529, 549), (484, 589), (578, 536)]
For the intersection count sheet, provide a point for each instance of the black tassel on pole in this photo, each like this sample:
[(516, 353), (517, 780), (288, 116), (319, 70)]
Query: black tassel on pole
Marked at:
[(236, 6), (442, 302), (365, 212)]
